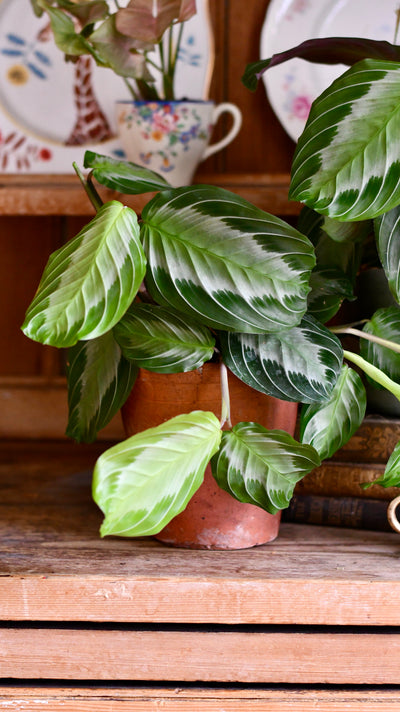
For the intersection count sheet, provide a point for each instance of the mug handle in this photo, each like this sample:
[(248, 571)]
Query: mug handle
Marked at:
[(237, 123), (391, 514)]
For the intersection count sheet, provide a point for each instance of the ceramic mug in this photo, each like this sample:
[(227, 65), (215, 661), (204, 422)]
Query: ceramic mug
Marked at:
[(172, 137)]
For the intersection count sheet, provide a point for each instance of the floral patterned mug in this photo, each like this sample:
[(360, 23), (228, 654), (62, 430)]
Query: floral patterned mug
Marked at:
[(172, 137)]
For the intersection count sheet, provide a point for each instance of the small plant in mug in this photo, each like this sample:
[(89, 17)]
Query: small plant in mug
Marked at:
[(123, 38)]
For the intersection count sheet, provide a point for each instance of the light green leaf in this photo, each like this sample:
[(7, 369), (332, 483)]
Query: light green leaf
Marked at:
[(89, 283), (297, 365), (347, 161), (145, 481), (223, 261), (162, 340), (260, 466), (387, 238), (385, 324), (65, 36), (329, 425), (125, 177), (99, 381), (391, 475)]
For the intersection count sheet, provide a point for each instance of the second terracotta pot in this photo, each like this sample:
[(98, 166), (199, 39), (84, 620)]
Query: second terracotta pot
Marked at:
[(212, 519)]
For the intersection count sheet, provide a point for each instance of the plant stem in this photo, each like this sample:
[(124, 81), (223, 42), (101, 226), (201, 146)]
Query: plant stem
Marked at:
[(369, 337), (373, 372), (225, 399), (89, 188)]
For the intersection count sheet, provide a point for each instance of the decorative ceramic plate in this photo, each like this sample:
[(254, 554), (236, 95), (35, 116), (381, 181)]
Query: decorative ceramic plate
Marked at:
[(292, 86), (41, 126)]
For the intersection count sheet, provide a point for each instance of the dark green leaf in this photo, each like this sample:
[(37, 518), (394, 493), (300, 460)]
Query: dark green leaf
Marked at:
[(385, 324), (347, 160), (387, 237), (99, 381), (162, 340), (123, 176), (260, 466), (223, 261), (301, 364), (328, 426)]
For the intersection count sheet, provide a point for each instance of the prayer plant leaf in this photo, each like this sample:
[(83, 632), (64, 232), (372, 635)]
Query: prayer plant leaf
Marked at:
[(99, 381), (391, 475), (324, 50), (261, 466), (328, 289), (219, 259), (385, 324), (301, 364), (387, 238), (347, 161), (145, 481), (89, 283), (125, 177), (328, 426), (161, 340)]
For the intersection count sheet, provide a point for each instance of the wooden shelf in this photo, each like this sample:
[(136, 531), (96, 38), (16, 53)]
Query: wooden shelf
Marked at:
[(110, 609), (63, 195)]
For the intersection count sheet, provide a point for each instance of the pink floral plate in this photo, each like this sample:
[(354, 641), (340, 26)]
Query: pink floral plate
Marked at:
[(293, 86)]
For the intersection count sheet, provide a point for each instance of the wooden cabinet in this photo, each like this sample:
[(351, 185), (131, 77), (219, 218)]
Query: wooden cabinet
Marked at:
[(102, 625)]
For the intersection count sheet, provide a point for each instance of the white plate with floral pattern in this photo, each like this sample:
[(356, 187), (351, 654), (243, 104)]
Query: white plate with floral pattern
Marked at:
[(41, 95), (293, 85)]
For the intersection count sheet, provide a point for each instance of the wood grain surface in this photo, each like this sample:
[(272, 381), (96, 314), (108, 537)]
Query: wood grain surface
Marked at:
[(55, 567), (179, 699)]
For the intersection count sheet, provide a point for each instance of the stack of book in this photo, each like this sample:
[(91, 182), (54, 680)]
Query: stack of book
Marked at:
[(333, 495)]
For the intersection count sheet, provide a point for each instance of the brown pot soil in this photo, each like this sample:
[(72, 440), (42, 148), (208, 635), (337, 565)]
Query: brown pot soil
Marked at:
[(212, 519)]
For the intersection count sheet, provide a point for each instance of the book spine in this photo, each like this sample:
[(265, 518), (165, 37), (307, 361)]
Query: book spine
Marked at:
[(351, 512), (344, 479)]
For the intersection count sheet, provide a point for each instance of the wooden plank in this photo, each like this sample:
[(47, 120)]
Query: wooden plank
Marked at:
[(54, 566), (63, 195), (190, 656), (145, 699)]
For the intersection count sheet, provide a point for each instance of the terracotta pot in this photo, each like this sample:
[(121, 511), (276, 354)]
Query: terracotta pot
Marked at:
[(212, 519)]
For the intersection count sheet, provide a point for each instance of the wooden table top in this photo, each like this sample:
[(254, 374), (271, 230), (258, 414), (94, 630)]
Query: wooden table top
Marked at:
[(55, 567)]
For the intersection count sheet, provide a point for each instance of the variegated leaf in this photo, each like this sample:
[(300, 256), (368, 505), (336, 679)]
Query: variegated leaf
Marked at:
[(391, 475), (328, 426), (99, 381), (223, 261), (301, 364), (125, 177), (347, 161), (387, 237), (89, 283), (145, 481), (385, 324), (260, 466), (163, 340)]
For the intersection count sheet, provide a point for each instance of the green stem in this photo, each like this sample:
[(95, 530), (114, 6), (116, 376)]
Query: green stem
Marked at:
[(89, 188), (369, 337), (225, 399), (373, 372)]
